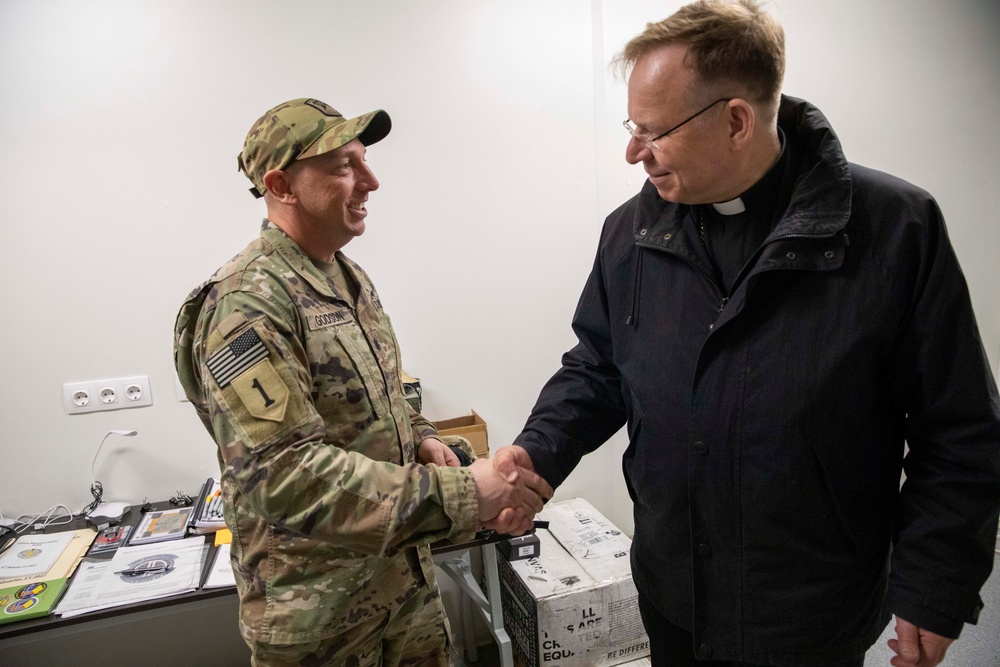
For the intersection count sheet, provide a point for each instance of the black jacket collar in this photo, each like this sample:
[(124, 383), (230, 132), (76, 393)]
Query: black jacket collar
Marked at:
[(820, 202)]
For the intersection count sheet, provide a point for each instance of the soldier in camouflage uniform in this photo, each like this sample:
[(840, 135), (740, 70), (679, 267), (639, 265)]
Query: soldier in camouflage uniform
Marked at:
[(331, 483)]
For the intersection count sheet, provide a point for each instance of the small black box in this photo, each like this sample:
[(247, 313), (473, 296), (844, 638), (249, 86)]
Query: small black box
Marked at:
[(519, 548)]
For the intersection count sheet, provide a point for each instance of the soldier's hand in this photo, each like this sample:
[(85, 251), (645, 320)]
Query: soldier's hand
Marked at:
[(511, 521), (432, 450), (514, 463), (504, 506)]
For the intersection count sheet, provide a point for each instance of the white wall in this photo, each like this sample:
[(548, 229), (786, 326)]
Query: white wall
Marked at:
[(119, 131)]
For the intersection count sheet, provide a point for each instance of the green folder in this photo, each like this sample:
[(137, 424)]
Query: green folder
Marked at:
[(19, 603)]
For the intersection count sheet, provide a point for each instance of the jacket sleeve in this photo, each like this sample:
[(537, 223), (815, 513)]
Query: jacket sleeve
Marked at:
[(581, 406), (946, 520), (422, 427), (275, 446)]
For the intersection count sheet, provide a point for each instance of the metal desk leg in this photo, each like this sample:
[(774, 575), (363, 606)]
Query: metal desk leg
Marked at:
[(489, 607), (468, 629), (489, 552)]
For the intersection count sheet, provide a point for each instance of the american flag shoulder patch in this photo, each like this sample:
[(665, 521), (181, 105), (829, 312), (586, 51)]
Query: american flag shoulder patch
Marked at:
[(236, 357)]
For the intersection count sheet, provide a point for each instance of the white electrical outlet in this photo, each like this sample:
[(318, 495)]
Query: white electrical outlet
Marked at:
[(117, 394), (108, 395), (80, 398)]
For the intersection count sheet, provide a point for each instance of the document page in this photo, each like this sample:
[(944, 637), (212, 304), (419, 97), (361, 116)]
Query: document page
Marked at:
[(221, 574), (33, 555), (136, 574)]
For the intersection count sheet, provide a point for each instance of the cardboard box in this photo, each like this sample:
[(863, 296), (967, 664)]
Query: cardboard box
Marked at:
[(472, 428), (575, 604)]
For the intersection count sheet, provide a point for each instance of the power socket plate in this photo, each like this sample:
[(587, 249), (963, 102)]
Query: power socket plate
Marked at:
[(100, 395)]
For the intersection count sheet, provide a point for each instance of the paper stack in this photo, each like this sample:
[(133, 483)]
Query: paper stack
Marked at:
[(136, 574), (221, 574), (34, 570)]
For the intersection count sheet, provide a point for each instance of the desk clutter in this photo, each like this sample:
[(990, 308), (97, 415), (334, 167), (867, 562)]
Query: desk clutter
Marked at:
[(163, 525), (35, 570), (207, 515), (150, 554)]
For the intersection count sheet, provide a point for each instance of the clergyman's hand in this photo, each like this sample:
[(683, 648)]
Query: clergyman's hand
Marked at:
[(514, 463), (916, 647), (432, 450), (505, 505)]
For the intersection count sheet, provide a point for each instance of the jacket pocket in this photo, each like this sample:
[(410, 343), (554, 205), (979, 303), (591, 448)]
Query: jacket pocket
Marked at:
[(347, 389)]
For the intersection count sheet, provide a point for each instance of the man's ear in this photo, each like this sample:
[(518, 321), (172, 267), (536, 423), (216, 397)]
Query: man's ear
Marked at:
[(742, 122), (279, 186)]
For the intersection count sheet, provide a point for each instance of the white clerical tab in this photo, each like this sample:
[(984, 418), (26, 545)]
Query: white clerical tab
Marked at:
[(731, 207)]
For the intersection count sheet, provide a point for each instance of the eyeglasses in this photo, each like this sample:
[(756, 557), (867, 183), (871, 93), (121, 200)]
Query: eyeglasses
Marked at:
[(651, 141)]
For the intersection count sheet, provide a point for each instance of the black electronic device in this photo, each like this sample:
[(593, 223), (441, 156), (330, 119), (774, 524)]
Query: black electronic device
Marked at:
[(7, 537)]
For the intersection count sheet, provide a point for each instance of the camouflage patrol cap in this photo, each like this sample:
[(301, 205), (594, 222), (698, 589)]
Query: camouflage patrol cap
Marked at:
[(300, 129)]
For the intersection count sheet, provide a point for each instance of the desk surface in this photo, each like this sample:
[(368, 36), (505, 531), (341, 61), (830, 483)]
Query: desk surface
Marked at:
[(44, 623), (147, 633)]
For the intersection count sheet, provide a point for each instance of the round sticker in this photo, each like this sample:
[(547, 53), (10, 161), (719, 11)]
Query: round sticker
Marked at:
[(18, 606), (31, 590)]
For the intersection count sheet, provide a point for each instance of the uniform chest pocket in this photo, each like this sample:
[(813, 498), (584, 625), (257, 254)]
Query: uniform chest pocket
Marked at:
[(348, 390)]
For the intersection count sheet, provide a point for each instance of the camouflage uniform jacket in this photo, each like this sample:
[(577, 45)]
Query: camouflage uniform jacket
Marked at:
[(329, 511)]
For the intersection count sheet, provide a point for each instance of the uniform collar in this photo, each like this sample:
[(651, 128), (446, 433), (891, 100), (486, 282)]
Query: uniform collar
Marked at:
[(303, 266)]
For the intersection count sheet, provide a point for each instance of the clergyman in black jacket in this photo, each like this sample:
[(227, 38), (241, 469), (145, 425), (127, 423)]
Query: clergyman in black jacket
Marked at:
[(783, 333)]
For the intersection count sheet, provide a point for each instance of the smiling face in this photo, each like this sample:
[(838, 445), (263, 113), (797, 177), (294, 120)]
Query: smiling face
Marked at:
[(689, 165), (330, 193)]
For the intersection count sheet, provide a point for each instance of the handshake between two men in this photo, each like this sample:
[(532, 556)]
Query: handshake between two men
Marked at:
[(510, 492)]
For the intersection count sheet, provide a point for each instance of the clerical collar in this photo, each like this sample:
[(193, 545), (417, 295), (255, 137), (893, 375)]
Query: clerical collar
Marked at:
[(731, 207), (763, 192)]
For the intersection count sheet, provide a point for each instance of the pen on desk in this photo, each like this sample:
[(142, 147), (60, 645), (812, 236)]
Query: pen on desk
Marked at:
[(143, 570)]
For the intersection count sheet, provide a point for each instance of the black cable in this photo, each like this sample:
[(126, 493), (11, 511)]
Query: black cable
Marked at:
[(96, 490)]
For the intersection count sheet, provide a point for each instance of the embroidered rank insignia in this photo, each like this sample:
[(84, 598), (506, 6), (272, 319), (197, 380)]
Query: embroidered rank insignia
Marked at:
[(236, 357)]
